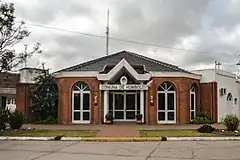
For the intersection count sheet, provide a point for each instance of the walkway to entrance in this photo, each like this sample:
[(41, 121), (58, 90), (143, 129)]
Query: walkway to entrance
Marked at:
[(117, 130)]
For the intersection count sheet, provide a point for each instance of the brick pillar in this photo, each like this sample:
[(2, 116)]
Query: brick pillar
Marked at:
[(208, 99), (23, 99), (152, 108), (183, 103)]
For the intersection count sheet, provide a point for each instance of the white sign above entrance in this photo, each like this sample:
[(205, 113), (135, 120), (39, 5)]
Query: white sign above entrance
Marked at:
[(123, 87)]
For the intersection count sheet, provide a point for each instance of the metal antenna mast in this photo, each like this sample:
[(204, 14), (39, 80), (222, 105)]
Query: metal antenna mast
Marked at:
[(107, 33)]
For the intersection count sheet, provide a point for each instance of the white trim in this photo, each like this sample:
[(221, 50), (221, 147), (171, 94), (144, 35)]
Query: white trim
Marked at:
[(175, 74), (76, 74), (118, 67), (142, 104), (166, 121), (81, 121), (194, 98), (105, 104)]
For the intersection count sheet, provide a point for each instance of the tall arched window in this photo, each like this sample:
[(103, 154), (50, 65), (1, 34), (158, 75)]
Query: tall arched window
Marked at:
[(81, 103), (166, 103), (192, 102)]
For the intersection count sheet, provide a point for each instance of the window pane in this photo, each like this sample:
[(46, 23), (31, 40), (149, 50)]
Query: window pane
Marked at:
[(76, 101), (76, 116), (86, 116), (192, 114), (110, 101), (161, 116), (192, 101), (86, 101), (130, 114), (130, 102), (119, 102), (170, 116), (170, 97), (161, 101), (119, 115)]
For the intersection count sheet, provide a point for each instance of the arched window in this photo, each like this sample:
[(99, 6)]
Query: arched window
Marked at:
[(229, 97), (166, 103), (81, 103), (192, 102)]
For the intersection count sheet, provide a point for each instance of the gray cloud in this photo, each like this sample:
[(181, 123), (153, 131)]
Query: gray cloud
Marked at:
[(160, 22), (45, 11)]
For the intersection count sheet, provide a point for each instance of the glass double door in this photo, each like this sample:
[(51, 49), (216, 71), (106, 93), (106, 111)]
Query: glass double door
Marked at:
[(124, 105)]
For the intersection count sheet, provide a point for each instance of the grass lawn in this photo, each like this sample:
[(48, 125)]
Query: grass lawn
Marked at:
[(174, 133), (49, 133)]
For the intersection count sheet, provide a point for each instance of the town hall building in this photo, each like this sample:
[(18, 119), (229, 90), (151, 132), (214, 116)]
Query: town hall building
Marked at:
[(126, 84)]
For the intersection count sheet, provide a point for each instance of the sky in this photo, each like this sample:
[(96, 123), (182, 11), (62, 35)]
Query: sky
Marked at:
[(211, 26)]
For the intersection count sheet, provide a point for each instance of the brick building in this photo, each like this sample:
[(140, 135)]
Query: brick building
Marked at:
[(126, 84)]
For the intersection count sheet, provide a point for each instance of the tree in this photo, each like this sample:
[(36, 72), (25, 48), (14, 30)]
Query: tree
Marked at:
[(45, 96), (11, 34)]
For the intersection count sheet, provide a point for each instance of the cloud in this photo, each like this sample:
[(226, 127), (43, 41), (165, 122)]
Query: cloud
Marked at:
[(211, 26)]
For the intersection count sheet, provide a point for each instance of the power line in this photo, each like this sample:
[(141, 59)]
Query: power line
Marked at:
[(124, 40)]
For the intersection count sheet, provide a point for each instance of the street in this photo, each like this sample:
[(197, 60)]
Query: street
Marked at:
[(169, 150)]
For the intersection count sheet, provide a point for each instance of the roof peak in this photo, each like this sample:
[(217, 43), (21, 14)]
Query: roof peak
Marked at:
[(132, 57)]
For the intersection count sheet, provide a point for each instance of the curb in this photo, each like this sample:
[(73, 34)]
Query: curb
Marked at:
[(203, 139), (28, 138), (122, 139)]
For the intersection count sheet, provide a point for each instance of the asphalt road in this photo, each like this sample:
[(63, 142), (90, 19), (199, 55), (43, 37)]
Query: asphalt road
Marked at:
[(60, 150)]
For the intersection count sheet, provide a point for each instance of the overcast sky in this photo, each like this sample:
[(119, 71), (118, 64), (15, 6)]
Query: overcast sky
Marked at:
[(207, 25)]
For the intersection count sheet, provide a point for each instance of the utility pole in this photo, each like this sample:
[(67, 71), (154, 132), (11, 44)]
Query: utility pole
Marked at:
[(25, 55), (107, 33), (238, 69)]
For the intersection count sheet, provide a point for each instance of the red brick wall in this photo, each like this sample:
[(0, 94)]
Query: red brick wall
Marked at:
[(206, 98), (209, 99), (65, 99), (23, 99), (183, 86)]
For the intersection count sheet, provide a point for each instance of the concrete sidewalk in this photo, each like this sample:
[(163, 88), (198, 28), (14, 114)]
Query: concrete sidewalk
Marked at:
[(117, 130)]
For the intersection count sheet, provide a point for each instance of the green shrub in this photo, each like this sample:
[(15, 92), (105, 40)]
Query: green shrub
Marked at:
[(49, 120), (16, 119), (201, 120), (4, 114), (231, 122)]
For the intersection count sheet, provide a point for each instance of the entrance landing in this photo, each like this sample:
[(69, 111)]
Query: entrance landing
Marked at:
[(117, 130)]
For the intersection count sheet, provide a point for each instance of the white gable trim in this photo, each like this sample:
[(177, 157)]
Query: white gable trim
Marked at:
[(118, 67)]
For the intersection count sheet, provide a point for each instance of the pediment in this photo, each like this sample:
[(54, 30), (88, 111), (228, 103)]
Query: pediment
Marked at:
[(123, 64)]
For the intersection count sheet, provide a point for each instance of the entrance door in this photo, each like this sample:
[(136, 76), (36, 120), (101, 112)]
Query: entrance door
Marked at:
[(130, 110), (124, 106)]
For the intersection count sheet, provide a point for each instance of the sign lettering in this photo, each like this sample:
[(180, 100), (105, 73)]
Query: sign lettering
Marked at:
[(123, 87)]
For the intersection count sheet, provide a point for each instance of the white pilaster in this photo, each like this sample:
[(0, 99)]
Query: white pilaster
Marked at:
[(142, 104), (105, 104)]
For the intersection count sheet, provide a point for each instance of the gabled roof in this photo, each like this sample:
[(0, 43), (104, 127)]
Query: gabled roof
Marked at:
[(133, 59)]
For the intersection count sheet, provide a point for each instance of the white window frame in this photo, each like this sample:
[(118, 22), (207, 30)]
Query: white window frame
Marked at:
[(81, 92), (194, 98), (166, 91)]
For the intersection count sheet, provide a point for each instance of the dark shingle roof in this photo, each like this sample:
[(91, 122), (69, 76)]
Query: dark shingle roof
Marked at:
[(132, 58)]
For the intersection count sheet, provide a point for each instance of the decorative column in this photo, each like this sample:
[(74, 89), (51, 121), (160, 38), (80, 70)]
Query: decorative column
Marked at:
[(105, 103), (142, 104)]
